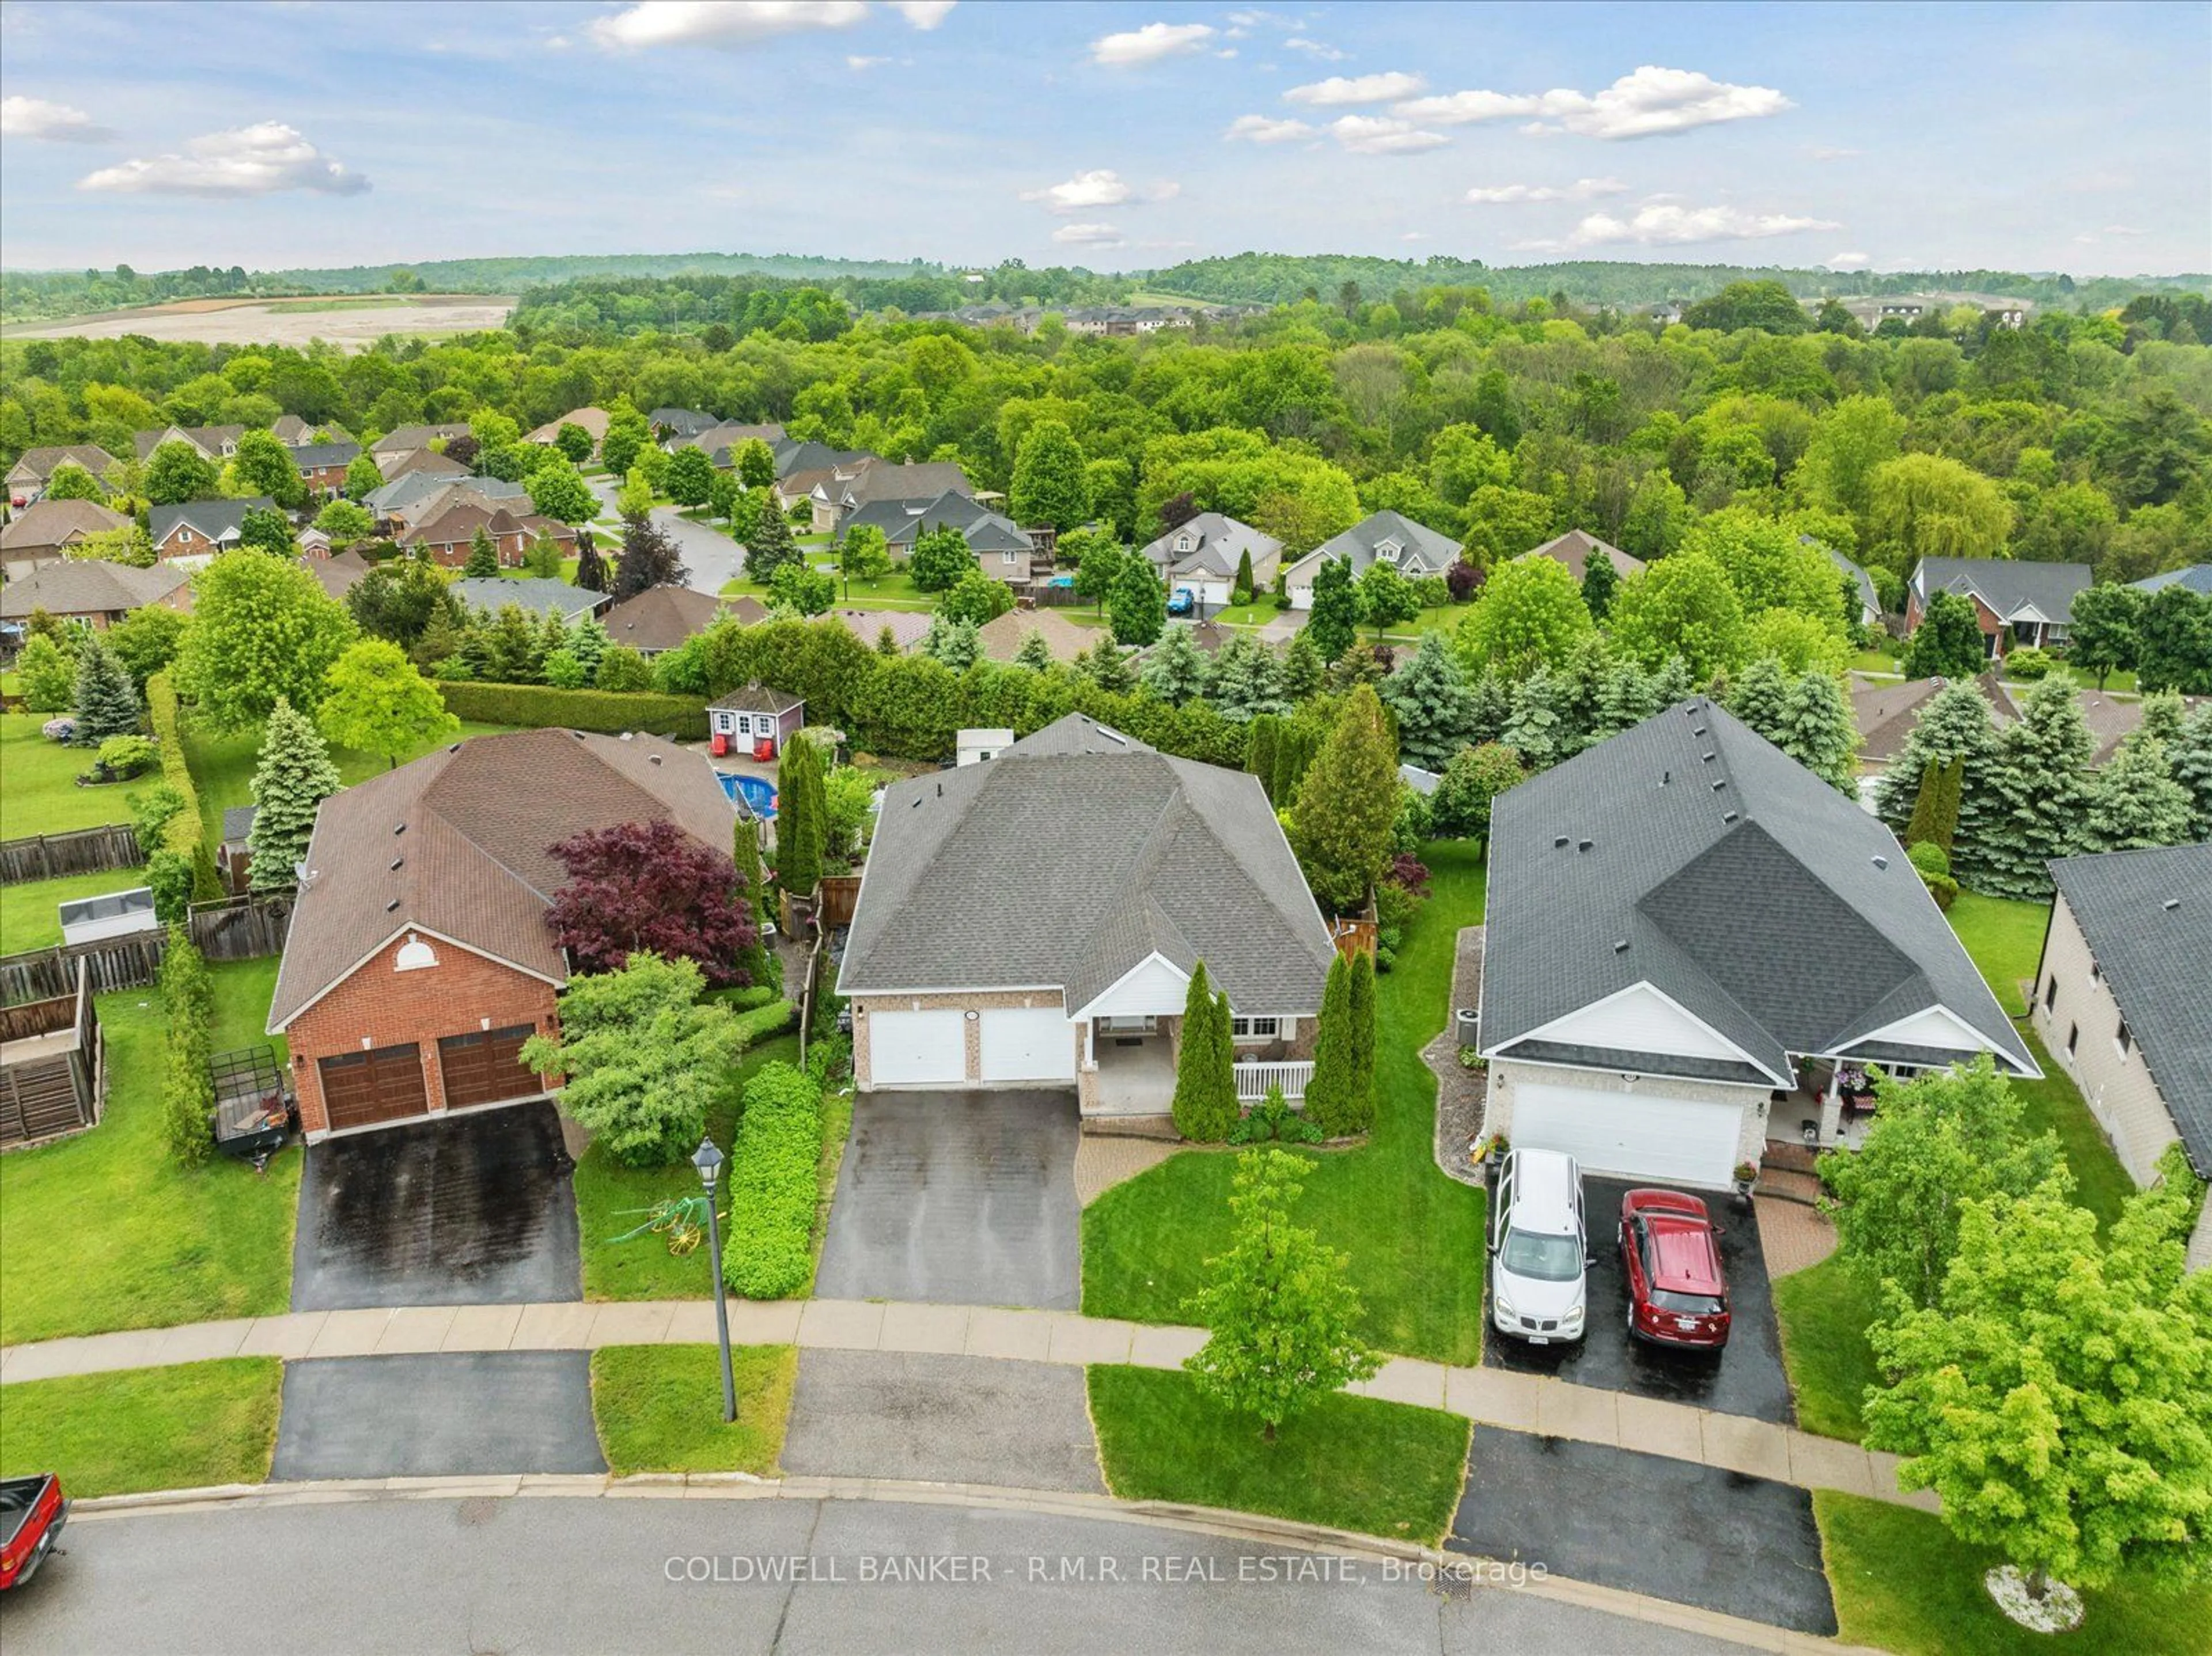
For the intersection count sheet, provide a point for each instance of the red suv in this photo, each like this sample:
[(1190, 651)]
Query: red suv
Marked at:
[(1676, 1295)]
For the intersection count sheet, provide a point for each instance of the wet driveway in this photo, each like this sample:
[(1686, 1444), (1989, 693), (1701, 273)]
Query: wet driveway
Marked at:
[(958, 1199), (1671, 1529), (1744, 1378), (471, 1209), (437, 1417)]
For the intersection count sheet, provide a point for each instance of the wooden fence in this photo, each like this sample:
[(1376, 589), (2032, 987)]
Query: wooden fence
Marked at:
[(242, 929), (51, 856), (55, 1091), (1353, 937), (838, 897)]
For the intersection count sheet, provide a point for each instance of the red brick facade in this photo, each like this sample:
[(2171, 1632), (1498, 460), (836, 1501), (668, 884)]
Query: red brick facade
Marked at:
[(1984, 617), (184, 542), (379, 1005)]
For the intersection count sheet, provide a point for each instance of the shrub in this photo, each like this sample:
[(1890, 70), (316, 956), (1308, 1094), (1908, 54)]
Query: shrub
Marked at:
[(1933, 864), (187, 1094), (169, 874), (2028, 664), (774, 1186), (623, 671), (830, 1059), (183, 834), (152, 811), (1274, 1119), (683, 717), (771, 1018), (120, 758)]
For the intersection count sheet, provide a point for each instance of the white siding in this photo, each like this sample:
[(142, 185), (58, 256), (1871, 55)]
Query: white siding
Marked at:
[(1154, 986), (1640, 1019)]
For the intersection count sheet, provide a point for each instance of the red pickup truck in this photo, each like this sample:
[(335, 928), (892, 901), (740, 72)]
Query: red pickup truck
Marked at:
[(32, 1513)]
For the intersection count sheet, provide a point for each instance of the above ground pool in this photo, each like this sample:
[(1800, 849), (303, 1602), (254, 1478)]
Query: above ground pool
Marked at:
[(759, 793)]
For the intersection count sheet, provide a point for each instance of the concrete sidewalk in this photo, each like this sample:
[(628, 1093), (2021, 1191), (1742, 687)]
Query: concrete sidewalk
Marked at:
[(1490, 1396)]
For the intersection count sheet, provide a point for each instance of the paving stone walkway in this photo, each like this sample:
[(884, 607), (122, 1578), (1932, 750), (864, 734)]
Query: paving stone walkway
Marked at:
[(1493, 1397), (1105, 1160), (1460, 1093)]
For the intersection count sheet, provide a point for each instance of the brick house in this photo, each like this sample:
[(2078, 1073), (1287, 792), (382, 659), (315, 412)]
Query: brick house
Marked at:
[(2016, 601), (42, 534), (200, 529), (418, 960), (28, 477), (323, 465), (449, 538)]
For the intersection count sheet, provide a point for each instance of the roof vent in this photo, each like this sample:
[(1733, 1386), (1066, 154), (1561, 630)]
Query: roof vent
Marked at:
[(399, 827), (394, 904), (456, 748), (1584, 844), (1881, 862), (578, 735), (654, 759), (1621, 945), (2171, 903), (1727, 817), (1705, 758), (625, 736), (1697, 729), (396, 862), (1665, 777), (1560, 843), (1719, 782)]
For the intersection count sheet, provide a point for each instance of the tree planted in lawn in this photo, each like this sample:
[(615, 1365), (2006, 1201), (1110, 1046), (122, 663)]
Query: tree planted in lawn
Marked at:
[(292, 778), (1361, 1006), (378, 703), (864, 554), (1137, 608), (49, 675), (690, 476), (1460, 808), (482, 563), (649, 558), (1174, 670), (1332, 1103), (769, 546), (1280, 1306), (644, 1058), (1205, 1106), (2038, 793), (1435, 709), (107, 702), (1346, 803), (650, 887)]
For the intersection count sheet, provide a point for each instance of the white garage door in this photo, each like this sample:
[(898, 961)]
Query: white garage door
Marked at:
[(1629, 1135), (917, 1048), (1024, 1043)]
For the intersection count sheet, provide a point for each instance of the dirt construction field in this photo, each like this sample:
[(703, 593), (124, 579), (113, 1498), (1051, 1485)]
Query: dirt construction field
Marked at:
[(352, 321)]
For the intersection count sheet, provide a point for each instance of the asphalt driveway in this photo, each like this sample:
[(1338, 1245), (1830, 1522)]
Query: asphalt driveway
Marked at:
[(1744, 1378), (1671, 1529), (436, 1415), (476, 1208), (957, 1199)]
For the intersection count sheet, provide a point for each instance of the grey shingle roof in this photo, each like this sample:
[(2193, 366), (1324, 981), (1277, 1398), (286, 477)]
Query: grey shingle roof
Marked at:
[(903, 521), (1864, 582), (216, 519), (308, 456), (1433, 552), (237, 824), (1220, 542), (2007, 585), (533, 593), (2154, 958), (1069, 859), (2197, 578), (1777, 929)]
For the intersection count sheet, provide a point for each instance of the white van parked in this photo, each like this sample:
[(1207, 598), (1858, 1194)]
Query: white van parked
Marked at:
[(1539, 1250)]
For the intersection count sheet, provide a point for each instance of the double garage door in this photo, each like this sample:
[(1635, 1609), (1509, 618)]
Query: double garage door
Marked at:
[(1626, 1135), (365, 1089), (1020, 1044)]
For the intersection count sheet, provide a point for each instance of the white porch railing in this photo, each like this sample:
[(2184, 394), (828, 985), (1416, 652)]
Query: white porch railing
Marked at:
[(1255, 1077)]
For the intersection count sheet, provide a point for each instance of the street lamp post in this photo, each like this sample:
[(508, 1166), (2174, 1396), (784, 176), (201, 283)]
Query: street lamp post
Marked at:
[(709, 1160)]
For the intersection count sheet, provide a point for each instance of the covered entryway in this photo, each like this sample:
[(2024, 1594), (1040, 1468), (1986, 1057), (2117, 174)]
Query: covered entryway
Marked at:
[(918, 1049), (1027, 1043), (486, 1067), (1629, 1135), (361, 1089)]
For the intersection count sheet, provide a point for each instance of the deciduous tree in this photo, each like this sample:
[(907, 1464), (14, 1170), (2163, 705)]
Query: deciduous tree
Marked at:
[(376, 702), (940, 557), (650, 558), (1460, 808), (1530, 615), (1682, 606), (649, 886), (1333, 622), (1948, 642), (1138, 606), (1048, 486), (2102, 636), (263, 630), (557, 490)]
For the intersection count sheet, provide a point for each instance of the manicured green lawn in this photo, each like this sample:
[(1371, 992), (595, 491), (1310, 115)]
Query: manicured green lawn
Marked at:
[(659, 1408), (39, 793), (895, 591), (2101, 1183), (27, 916), (1824, 1314), (103, 1231), (2005, 939), (1902, 1583), (1414, 1237), (180, 1428), (1350, 1463)]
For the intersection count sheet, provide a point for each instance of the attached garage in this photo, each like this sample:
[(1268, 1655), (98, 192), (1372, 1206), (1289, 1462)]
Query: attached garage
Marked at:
[(365, 1089), (486, 1067), (1629, 1135), (1027, 1043), (918, 1049)]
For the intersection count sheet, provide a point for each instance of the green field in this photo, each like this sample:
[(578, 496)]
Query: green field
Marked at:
[(185, 1427), (39, 793), (28, 918)]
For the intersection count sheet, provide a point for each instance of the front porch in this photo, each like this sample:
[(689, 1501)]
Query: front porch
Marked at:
[(1832, 1106), (1128, 1068)]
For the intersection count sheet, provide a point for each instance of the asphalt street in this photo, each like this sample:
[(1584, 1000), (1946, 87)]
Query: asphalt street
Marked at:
[(713, 559), (547, 1575)]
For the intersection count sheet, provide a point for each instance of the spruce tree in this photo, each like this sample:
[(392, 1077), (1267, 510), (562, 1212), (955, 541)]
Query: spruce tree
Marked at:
[(2188, 755), (1205, 1106), (1109, 668), (770, 545), (1035, 653), (1303, 669), (1347, 805), (2135, 804), (954, 643), (1245, 681), (1625, 697), (1490, 706), (1434, 708), (106, 700), (1538, 730), (291, 781), (1174, 671), (1953, 724), (1331, 1103), (1819, 732), (887, 644), (2039, 796), (1600, 578), (1758, 695), (1260, 751), (1361, 1005), (483, 557)]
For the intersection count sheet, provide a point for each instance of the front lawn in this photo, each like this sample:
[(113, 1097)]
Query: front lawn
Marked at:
[(1902, 1582), (1824, 1313), (40, 795), (659, 1408), (28, 919), (180, 1428), (2005, 939), (895, 591), (1350, 1463), (1414, 1236), (103, 1231), (2101, 1183)]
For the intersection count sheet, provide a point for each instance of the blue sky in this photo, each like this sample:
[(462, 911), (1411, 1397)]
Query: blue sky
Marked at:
[(1120, 136)]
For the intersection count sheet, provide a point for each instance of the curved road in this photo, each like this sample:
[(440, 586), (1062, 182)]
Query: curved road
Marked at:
[(540, 1574), (713, 558)]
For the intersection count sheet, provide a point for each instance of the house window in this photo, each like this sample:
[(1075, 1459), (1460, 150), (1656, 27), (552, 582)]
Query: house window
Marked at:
[(2051, 992), (1253, 1028), (1007, 558), (2123, 1038), (1183, 542), (1129, 1024), (2073, 1039), (2096, 974)]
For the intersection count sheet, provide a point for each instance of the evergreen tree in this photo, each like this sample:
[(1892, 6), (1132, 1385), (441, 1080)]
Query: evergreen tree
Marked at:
[(2038, 794), (758, 962), (483, 557), (1205, 1106), (1303, 669), (1174, 671), (801, 827), (1109, 668), (1138, 606), (294, 777), (1260, 751), (887, 644), (1347, 802), (1819, 732), (591, 566), (1758, 695), (106, 700), (770, 546), (1537, 729), (1361, 1006), (2135, 804), (955, 643), (1434, 708), (1035, 653), (1672, 682), (1245, 681), (1332, 1103), (1490, 706), (1242, 592), (1948, 642), (1927, 827), (1600, 578), (1953, 724), (2188, 755), (1333, 622), (1296, 744), (1625, 697)]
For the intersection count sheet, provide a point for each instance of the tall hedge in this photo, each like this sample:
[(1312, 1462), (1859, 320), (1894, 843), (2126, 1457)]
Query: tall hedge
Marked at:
[(185, 834), (539, 706), (768, 1253), (187, 1091)]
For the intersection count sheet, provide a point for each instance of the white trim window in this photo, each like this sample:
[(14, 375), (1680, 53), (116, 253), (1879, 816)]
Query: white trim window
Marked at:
[(1254, 1029), (1009, 558)]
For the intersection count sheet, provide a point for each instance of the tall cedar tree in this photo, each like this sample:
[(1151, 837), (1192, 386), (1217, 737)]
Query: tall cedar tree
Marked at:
[(1333, 622), (800, 827), (769, 547), (591, 566), (1138, 606), (1281, 1306), (2039, 794), (1600, 578), (1927, 827), (484, 558), (650, 558), (187, 1090), (1341, 826), (1362, 1006), (291, 781), (1303, 668), (1332, 1100), (756, 962), (1048, 486), (106, 700), (1260, 751), (1435, 710), (1205, 1106), (649, 886), (1242, 592)]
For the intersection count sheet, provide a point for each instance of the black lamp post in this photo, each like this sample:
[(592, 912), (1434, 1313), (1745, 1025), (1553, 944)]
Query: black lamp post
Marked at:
[(709, 1160)]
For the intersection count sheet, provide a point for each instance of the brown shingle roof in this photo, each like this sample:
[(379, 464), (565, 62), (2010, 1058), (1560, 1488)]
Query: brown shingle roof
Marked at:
[(758, 699), (1573, 549), (474, 864), (337, 572), (1886, 710), (408, 461), (39, 462), (1002, 636), (662, 617), (57, 523), (89, 586)]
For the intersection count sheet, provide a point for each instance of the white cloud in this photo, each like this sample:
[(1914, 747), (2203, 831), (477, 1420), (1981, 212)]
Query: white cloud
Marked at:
[(1326, 54), (1513, 195), (2123, 230), (1265, 129), (1669, 224), (1850, 262), (35, 117), (1651, 102), (1829, 152), (1415, 235), (924, 13), (1379, 134), (721, 23), (251, 160), (1087, 235), (857, 62), (557, 43), (1254, 17), (1356, 90), (1102, 188), (1163, 190), (1135, 48)]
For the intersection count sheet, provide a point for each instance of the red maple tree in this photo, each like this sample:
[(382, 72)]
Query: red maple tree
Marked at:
[(651, 886)]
